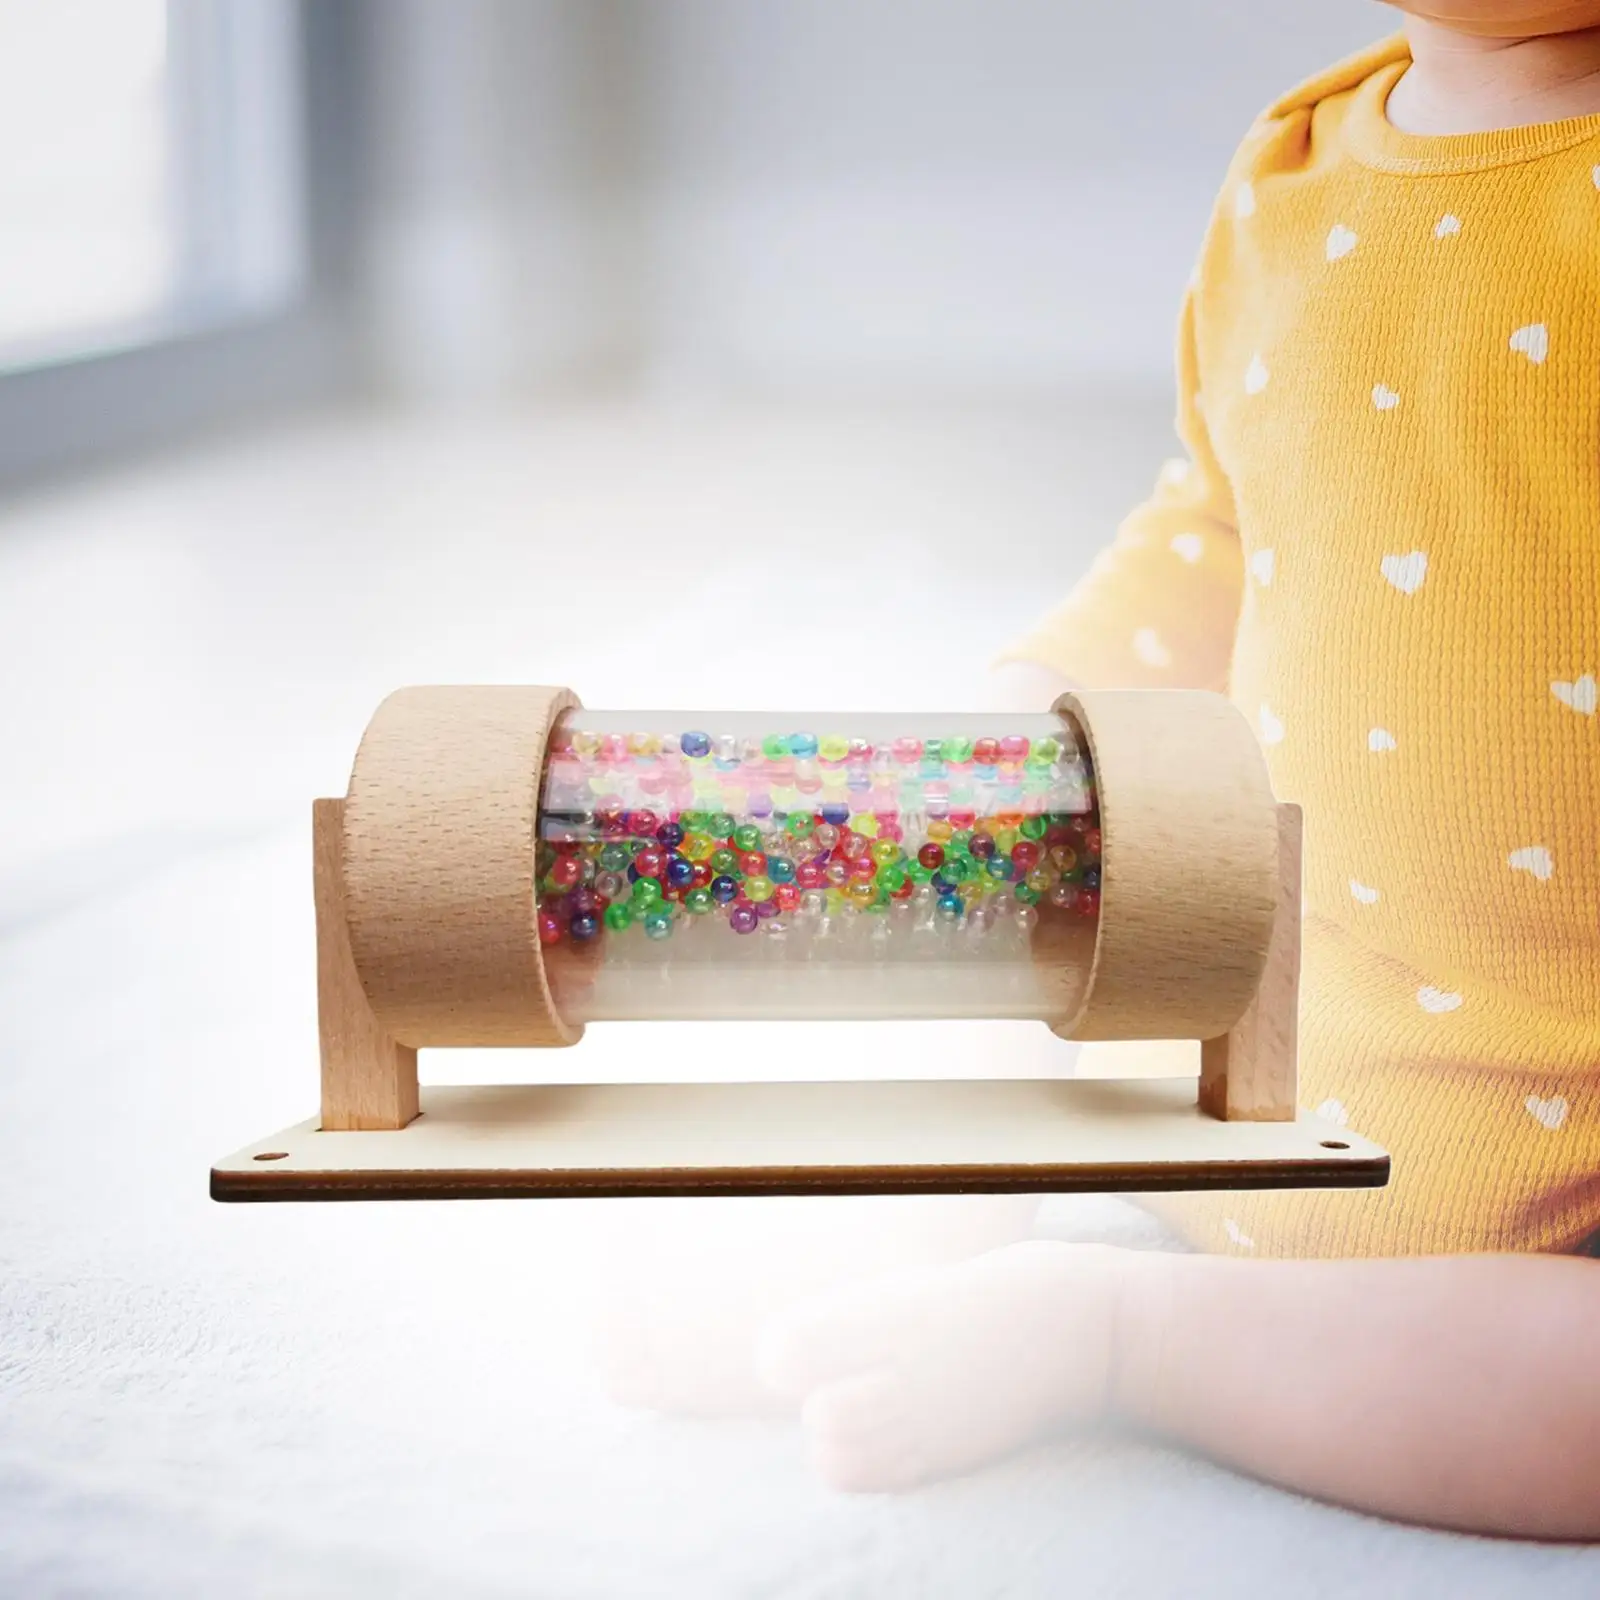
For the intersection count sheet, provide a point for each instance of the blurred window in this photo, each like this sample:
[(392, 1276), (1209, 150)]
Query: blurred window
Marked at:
[(149, 170)]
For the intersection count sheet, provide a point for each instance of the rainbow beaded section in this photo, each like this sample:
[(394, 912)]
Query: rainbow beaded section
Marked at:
[(642, 833)]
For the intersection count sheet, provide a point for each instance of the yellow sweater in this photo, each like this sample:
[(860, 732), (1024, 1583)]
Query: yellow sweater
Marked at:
[(1385, 544)]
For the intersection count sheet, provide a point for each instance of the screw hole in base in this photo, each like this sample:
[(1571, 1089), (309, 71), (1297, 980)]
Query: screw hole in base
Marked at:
[(270, 1155), (1327, 1144)]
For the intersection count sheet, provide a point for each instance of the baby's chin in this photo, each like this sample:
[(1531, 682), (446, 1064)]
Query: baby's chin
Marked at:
[(1506, 19)]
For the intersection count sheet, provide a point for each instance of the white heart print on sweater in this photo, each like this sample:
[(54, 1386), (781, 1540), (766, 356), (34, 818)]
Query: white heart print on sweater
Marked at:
[(1380, 739), (1261, 567), (1256, 375), (1384, 398), (1582, 694), (1190, 546), (1406, 572), (1447, 226), (1364, 893), (1270, 726), (1533, 342), (1341, 241), (1437, 1001), (1549, 1114), (1534, 859)]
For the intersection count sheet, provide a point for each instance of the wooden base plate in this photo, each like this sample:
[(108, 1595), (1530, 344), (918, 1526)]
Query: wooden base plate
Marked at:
[(801, 1138)]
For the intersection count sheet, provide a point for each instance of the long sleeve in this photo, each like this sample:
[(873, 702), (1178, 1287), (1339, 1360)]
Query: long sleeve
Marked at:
[(1160, 604)]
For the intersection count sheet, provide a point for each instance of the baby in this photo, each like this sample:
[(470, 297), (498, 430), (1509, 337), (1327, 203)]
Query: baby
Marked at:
[(1385, 544)]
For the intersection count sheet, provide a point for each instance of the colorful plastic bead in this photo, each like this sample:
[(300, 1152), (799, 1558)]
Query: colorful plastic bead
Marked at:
[(680, 872), (834, 813), (551, 928), (986, 752), (780, 869), (907, 751), (810, 874), (584, 926), (747, 836), (799, 824), (803, 746), (980, 846), (1026, 853), (1032, 827), (826, 836), (931, 856), (618, 917), (658, 922), (1014, 747), (956, 752), (759, 888), (723, 890), (695, 745), (833, 747), (669, 836), (786, 896), (646, 892), (724, 860), (743, 919)]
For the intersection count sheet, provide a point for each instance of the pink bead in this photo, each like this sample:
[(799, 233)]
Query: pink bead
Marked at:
[(1014, 747)]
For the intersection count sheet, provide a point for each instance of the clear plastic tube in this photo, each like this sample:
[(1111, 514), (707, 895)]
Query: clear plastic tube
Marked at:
[(711, 864)]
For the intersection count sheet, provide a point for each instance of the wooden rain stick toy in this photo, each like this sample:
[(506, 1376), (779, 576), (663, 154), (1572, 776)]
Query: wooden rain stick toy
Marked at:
[(508, 867)]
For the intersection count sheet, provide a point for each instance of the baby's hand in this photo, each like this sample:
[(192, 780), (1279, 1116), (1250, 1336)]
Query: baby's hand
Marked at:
[(930, 1373)]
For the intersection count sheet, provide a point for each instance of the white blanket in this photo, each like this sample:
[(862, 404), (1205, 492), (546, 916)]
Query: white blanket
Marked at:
[(395, 1400)]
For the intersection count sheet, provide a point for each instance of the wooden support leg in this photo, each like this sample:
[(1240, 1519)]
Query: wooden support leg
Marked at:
[(369, 1080), (1249, 1073)]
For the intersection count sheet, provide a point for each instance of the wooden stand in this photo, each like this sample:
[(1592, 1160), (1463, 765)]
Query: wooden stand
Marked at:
[(424, 894)]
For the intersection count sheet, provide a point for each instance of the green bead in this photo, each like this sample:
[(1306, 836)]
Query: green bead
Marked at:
[(646, 892), (775, 747), (918, 872), (956, 751), (932, 750), (1033, 827), (959, 844), (693, 821), (619, 916), (799, 824), (957, 868), (699, 901), (1045, 751), (747, 836), (615, 858), (1028, 897), (892, 876), (720, 824), (725, 862)]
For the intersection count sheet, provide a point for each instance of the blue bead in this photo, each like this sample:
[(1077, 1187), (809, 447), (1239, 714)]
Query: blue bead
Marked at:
[(950, 905), (941, 884), (780, 869), (695, 745), (584, 926), (723, 890), (670, 834), (680, 873), (803, 745), (1091, 877), (837, 815)]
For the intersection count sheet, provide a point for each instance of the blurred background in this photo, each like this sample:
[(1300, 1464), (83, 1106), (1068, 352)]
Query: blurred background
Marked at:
[(791, 354)]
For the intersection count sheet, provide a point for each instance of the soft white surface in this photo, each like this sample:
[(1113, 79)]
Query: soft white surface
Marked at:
[(398, 1400)]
